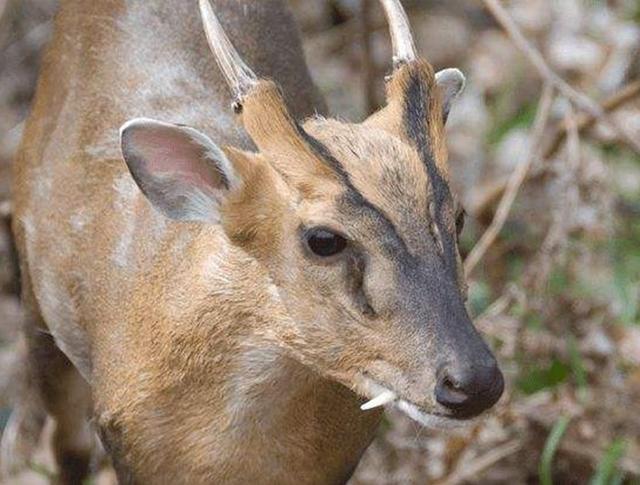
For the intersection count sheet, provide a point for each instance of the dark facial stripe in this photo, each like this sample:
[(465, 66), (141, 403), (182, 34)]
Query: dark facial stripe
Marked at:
[(353, 195), (323, 153), (416, 123)]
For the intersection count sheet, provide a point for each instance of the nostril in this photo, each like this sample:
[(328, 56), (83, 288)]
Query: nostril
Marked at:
[(449, 393), (467, 391), (453, 391)]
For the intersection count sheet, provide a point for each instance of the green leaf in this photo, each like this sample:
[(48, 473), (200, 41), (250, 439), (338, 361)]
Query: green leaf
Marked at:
[(43, 471), (5, 413), (540, 378), (534, 321), (523, 118), (479, 297), (558, 282)]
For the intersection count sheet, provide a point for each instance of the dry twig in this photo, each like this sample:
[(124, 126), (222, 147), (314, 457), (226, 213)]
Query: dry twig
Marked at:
[(494, 191), (515, 181), (512, 293), (556, 237), (369, 69), (580, 99), (586, 121), (470, 470), (3, 6)]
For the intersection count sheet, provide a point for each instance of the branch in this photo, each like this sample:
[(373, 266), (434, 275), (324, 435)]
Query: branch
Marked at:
[(555, 241), (584, 122), (369, 69), (480, 464), (514, 183), (580, 99)]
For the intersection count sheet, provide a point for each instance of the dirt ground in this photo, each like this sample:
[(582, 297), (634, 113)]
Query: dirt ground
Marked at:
[(555, 287)]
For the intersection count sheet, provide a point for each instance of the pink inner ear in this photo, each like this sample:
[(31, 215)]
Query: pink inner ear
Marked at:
[(170, 151)]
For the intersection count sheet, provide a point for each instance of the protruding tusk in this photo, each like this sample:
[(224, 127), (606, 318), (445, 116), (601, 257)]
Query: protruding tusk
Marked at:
[(404, 49), (381, 399), (238, 75)]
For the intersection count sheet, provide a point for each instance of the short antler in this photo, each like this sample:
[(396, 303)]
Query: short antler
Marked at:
[(238, 75), (404, 49), (265, 115)]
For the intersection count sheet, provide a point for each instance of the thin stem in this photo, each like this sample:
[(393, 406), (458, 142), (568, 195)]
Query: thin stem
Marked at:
[(585, 121), (514, 183), (580, 99)]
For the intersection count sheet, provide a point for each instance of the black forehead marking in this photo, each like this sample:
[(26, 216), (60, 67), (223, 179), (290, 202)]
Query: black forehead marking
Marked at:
[(323, 153), (416, 123), (353, 196)]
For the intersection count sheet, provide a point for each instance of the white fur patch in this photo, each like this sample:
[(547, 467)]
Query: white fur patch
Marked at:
[(427, 420), (79, 220), (58, 309), (126, 193)]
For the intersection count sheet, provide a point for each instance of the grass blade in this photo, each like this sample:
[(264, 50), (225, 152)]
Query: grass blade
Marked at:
[(579, 372), (607, 466), (550, 447)]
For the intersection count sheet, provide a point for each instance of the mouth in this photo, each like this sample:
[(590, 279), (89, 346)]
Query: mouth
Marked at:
[(385, 396)]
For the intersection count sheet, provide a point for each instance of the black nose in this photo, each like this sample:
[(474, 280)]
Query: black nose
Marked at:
[(467, 390)]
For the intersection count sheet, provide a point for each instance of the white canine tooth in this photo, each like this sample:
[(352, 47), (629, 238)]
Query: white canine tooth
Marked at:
[(380, 400)]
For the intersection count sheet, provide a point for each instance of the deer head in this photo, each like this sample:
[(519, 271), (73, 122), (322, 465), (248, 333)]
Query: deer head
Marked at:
[(355, 223)]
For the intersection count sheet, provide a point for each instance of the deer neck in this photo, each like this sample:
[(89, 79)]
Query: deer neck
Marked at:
[(280, 408)]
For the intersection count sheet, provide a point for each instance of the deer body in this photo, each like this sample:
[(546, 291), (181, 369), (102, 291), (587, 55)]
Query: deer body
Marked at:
[(71, 171), (182, 339)]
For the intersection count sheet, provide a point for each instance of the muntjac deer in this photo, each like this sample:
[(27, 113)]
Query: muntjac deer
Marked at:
[(219, 297)]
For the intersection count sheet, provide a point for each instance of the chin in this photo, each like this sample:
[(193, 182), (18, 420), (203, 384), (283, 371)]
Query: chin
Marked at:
[(430, 420)]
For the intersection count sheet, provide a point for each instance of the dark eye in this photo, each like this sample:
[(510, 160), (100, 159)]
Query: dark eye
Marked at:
[(325, 243), (460, 221)]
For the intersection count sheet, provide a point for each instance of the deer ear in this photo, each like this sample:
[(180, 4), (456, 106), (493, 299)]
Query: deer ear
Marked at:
[(451, 82), (180, 170)]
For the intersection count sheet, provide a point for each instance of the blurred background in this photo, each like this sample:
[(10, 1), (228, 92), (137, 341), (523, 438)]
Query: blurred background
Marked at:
[(549, 173)]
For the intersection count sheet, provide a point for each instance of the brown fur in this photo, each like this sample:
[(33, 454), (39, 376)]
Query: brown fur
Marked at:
[(221, 353)]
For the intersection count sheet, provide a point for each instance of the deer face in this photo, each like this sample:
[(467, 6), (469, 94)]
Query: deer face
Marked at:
[(355, 223)]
